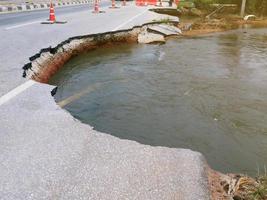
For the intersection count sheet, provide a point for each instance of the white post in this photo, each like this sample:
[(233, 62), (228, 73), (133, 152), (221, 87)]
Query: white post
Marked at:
[(243, 8)]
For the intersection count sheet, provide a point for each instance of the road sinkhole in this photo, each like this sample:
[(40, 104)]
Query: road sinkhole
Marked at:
[(204, 93)]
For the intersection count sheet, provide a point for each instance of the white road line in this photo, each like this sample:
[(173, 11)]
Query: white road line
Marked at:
[(29, 83), (128, 21), (21, 25), (16, 91)]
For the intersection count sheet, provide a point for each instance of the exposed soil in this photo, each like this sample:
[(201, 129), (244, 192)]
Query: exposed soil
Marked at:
[(166, 11), (194, 25), (216, 182), (199, 26), (236, 187)]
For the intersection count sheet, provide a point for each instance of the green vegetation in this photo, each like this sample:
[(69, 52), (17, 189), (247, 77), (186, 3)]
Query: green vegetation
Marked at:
[(163, 21), (186, 4), (258, 7), (249, 189), (259, 191)]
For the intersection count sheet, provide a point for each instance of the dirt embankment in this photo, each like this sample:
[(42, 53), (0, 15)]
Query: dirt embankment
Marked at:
[(48, 61), (201, 25), (236, 187), (195, 22)]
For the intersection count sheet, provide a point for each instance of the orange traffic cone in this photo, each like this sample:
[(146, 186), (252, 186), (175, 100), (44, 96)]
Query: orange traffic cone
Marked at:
[(152, 2), (96, 10), (52, 17), (113, 4)]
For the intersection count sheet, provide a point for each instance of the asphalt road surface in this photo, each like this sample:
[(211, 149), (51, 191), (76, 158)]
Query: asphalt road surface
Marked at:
[(10, 19)]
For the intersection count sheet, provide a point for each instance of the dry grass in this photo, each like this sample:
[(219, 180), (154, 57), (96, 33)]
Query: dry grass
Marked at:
[(251, 189)]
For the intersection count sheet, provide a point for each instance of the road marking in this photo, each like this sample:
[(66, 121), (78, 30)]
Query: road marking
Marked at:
[(16, 91), (80, 94), (5, 98), (21, 25), (189, 91), (128, 21)]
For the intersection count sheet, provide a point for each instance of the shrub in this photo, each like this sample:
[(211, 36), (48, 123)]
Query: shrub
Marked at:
[(204, 4), (186, 4)]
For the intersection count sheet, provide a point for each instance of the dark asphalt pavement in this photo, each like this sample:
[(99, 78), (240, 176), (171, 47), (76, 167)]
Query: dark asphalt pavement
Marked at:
[(35, 15)]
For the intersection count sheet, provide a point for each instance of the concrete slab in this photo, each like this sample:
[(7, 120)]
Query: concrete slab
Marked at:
[(165, 29), (146, 38)]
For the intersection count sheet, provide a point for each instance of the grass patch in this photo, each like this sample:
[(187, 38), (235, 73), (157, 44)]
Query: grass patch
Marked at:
[(258, 191), (186, 4), (163, 21), (167, 11), (251, 189)]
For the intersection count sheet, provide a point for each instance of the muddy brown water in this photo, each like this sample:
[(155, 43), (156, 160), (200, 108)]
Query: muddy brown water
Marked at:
[(207, 93)]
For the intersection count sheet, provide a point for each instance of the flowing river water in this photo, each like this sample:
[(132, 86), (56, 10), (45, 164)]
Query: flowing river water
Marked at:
[(206, 93)]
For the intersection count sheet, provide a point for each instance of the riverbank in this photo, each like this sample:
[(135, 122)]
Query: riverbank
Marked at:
[(228, 186), (199, 26), (236, 186), (195, 24)]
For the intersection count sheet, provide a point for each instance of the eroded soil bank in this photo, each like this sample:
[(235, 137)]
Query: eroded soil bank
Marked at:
[(200, 26), (48, 61), (198, 22), (237, 186)]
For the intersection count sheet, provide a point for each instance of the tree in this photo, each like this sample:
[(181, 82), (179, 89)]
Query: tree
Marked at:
[(263, 7)]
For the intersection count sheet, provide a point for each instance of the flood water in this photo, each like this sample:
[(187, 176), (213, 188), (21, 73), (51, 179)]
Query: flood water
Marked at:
[(207, 93)]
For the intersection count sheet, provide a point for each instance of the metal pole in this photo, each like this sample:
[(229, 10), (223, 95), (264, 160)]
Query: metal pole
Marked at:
[(243, 8)]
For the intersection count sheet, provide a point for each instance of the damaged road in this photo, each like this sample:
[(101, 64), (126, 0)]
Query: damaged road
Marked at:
[(48, 61), (48, 154)]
